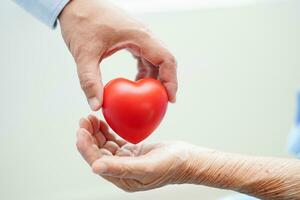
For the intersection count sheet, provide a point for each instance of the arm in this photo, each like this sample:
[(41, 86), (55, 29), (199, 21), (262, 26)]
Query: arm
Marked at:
[(148, 166), (265, 178)]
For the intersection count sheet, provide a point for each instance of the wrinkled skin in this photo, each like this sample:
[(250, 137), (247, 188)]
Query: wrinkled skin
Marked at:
[(130, 167), (147, 166), (95, 29)]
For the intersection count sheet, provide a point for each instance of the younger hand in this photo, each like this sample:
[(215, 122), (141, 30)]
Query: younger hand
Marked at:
[(95, 29), (131, 167)]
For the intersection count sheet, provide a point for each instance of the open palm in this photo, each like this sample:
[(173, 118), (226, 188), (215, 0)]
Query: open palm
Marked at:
[(130, 167)]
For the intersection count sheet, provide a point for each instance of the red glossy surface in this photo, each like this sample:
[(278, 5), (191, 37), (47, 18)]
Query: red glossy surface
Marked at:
[(134, 109)]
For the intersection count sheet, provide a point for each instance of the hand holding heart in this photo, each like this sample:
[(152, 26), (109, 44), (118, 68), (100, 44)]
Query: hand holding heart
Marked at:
[(94, 30)]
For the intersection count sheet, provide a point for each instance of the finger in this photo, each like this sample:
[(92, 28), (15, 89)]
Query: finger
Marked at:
[(110, 136), (121, 167), (87, 148), (159, 56), (100, 139), (167, 75), (105, 152), (95, 122), (111, 147), (152, 70), (124, 152), (120, 142), (145, 69), (142, 69), (86, 124), (90, 82), (98, 136), (103, 127)]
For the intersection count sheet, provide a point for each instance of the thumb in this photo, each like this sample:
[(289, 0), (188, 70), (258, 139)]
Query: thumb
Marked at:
[(122, 167), (90, 82)]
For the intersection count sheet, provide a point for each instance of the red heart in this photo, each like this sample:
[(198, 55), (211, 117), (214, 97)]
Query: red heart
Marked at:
[(134, 109)]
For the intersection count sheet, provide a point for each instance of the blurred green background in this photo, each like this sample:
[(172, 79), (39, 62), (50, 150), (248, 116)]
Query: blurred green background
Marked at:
[(239, 69)]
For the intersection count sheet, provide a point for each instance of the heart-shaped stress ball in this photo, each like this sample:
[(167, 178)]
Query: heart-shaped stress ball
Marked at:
[(134, 109)]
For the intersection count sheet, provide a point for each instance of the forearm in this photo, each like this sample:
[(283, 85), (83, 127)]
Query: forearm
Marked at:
[(265, 178)]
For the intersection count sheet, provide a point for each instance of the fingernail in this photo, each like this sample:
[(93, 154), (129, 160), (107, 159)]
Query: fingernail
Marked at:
[(94, 103), (101, 168)]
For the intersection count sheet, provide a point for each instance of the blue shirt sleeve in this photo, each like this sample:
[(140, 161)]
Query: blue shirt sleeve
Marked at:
[(294, 139), (45, 10)]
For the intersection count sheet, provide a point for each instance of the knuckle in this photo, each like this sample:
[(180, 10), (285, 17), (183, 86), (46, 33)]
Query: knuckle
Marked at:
[(147, 33), (172, 61), (143, 29), (141, 34), (83, 51), (79, 146), (174, 86), (170, 64), (77, 50), (87, 80)]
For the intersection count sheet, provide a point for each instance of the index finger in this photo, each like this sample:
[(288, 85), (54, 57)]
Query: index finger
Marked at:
[(155, 53), (87, 148)]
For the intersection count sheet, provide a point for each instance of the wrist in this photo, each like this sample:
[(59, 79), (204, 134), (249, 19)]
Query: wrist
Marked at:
[(266, 178), (73, 10), (192, 166), (80, 9), (65, 10), (200, 163), (216, 169)]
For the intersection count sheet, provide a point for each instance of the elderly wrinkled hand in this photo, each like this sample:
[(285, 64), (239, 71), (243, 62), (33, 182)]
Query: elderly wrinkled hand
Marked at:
[(147, 166), (130, 167), (95, 29)]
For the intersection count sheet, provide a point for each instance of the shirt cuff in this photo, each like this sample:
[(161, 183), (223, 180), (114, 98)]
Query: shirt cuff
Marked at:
[(46, 11), (294, 139)]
